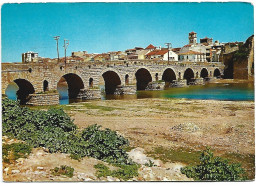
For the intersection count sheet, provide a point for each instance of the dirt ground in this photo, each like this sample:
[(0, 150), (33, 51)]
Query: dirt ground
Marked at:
[(151, 124), (172, 123)]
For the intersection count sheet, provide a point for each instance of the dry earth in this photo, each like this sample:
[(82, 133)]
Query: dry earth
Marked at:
[(150, 124)]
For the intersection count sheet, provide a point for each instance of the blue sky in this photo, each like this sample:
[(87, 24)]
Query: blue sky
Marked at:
[(103, 27)]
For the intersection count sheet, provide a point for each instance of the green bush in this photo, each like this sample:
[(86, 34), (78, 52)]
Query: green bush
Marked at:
[(214, 169), (53, 129), (12, 152), (125, 172), (105, 144), (63, 170)]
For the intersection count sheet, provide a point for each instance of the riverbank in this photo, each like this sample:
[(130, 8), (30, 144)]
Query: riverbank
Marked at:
[(173, 131), (230, 81), (167, 125)]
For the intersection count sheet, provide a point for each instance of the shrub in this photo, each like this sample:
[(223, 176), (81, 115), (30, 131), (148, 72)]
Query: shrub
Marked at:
[(105, 144), (55, 130), (63, 170), (125, 172), (12, 152), (214, 169)]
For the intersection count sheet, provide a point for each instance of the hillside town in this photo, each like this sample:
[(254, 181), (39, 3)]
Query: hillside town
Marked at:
[(206, 50)]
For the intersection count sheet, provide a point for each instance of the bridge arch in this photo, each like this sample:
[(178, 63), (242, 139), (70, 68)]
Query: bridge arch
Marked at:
[(112, 80), (72, 83), (188, 75), (90, 82), (20, 89), (216, 73), (126, 79), (169, 75), (45, 85), (143, 77), (204, 73)]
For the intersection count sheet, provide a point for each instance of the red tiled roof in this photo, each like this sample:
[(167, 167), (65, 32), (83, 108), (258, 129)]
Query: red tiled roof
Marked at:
[(190, 52), (157, 52), (192, 32), (176, 49), (189, 45), (150, 47)]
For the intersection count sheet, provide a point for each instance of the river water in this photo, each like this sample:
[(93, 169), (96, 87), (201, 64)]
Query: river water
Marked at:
[(232, 92)]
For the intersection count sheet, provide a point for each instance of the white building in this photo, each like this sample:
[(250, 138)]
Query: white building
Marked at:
[(162, 55), (29, 57), (192, 56)]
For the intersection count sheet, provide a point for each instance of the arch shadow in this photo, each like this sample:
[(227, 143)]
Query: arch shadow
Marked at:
[(143, 77), (72, 83)]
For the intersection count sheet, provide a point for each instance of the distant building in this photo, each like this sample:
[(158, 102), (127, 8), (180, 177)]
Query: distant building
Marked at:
[(29, 57), (162, 55), (102, 57), (79, 53), (193, 38), (150, 47), (206, 40), (192, 56)]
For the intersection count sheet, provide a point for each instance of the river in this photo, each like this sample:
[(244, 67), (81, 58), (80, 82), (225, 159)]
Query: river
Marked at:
[(220, 91)]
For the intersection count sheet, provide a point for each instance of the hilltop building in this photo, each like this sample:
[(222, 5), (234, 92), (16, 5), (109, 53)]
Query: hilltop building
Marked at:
[(29, 57)]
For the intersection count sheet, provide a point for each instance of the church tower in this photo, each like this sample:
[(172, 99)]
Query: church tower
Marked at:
[(192, 38)]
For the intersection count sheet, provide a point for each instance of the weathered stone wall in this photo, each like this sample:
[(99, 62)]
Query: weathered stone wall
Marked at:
[(43, 99), (240, 64)]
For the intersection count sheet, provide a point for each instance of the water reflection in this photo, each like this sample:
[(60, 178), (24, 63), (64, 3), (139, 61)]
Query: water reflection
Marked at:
[(236, 92), (11, 91)]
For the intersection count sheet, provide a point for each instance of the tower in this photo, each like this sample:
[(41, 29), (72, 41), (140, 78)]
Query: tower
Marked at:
[(192, 38)]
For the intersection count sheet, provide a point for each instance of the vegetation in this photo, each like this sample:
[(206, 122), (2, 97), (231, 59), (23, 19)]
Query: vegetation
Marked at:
[(48, 92), (125, 172), (53, 129), (12, 152), (214, 169), (63, 170), (242, 52), (176, 155), (105, 144)]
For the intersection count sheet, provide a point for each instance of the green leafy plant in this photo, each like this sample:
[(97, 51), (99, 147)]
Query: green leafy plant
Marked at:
[(12, 152), (105, 144), (214, 169), (125, 172), (53, 129), (63, 170), (150, 163)]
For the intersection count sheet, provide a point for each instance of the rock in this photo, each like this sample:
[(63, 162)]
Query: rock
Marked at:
[(40, 168), (138, 156), (109, 178), (20, 160), (15, 171), (6, 170), (165, 179), (88, 179)]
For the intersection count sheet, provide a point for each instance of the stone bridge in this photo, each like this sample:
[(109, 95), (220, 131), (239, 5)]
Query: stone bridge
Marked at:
[(38, 78)]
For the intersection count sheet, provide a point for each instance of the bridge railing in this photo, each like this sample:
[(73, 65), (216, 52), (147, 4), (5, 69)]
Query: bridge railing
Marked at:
[(26, 66)]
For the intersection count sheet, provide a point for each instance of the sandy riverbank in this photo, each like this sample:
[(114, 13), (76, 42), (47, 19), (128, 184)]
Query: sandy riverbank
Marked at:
[(170, 130)]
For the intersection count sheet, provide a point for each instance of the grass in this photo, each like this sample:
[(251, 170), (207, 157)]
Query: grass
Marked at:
[(103, 108), (125, 172), (63, 170), (184, 155), (191, 157), (12, 152), (78, 106), (233, 108), (247, 161)]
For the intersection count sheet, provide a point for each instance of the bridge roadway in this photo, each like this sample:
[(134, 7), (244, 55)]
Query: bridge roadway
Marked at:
[(40, 77)]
